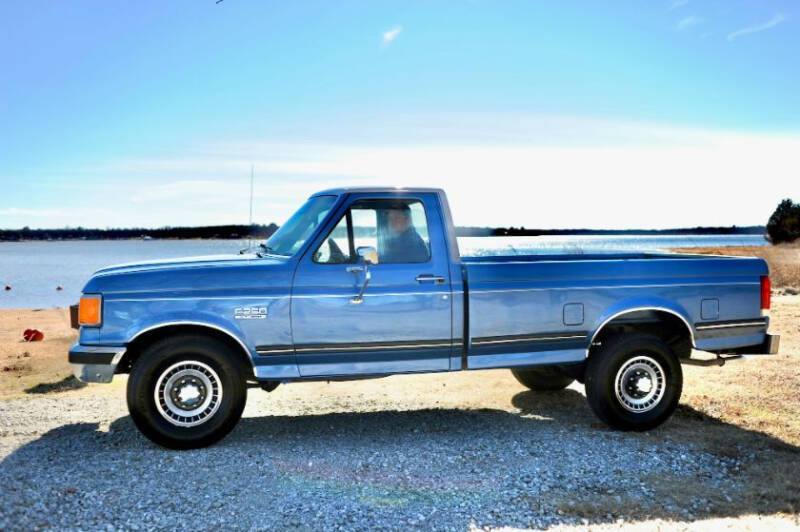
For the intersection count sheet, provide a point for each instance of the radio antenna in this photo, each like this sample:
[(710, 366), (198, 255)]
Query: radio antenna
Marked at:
[(250, 223)]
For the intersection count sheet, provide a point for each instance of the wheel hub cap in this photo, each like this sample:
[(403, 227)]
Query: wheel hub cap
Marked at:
[(644, 385), (640, 384), (188, 393)]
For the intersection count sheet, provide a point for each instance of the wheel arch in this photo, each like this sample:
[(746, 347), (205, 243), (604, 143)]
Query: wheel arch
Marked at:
[(146, 337), (669, 324)]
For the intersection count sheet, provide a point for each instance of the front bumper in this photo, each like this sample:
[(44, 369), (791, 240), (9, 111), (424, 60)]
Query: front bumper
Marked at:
[(92, 363)]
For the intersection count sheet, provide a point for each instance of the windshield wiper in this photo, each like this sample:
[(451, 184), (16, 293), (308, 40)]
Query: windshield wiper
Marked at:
[(266, 249)]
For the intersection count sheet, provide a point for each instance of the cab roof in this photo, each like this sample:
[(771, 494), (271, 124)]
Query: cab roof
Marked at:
[(359, 190)]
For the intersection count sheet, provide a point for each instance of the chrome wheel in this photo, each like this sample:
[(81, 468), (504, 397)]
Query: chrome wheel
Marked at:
[(188, 393), (640, 384)]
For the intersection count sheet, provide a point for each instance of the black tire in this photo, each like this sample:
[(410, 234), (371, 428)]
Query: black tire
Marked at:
[(206, 367), (544, 379), (649, 377)]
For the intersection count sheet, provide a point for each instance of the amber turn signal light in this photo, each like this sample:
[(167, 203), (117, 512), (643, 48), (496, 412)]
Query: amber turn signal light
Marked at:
[(90, 310)]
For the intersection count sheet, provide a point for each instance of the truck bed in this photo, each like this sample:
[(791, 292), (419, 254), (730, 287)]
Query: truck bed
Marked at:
[(516, 300)]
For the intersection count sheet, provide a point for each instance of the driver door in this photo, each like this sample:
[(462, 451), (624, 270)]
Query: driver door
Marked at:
[(403, 322)]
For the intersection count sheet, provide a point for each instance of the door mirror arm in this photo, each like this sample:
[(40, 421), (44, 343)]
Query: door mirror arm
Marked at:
[(366, 255)]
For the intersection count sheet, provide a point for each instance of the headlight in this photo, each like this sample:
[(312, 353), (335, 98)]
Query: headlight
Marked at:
[(90, 310)]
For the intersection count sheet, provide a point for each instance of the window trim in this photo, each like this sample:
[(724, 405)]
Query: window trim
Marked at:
[(304, 247), (350, 240), (351, 237)]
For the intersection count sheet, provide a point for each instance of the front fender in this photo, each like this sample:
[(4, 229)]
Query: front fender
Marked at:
[(124, 321), (204, 320)]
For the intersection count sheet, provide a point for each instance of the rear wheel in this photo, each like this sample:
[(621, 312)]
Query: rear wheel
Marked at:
[(186, 391), (634, 382), (544, 379)]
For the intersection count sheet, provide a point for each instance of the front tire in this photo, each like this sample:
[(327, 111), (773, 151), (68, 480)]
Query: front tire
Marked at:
[(634, 382), (544, 379), (186, 392)]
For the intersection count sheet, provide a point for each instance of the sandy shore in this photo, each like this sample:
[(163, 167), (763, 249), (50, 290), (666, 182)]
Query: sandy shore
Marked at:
[(26, 365), (784, 262)]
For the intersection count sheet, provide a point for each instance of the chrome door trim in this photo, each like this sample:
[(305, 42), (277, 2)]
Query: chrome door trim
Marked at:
[(752, 323)]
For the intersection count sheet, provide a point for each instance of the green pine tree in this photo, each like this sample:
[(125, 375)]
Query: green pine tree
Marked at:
[(784, 224)]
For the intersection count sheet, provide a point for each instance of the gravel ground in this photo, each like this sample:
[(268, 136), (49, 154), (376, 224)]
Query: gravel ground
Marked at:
[(399, 453)]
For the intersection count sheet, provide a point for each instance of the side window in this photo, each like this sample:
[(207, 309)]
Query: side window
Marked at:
[(402, 232), (398, 229), (336, 248)]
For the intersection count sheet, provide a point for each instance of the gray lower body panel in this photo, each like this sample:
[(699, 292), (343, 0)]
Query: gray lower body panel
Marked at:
[(769, 346), (95, 363)]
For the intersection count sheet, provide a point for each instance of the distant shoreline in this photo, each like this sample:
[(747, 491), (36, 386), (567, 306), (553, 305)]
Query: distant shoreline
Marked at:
[(261, 232)]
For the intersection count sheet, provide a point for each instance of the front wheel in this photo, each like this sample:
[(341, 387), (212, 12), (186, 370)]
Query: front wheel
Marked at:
[(634, 382), (186, 392)]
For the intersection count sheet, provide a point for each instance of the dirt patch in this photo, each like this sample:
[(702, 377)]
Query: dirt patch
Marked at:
[(783, 260), (760, 392), (24, 365)]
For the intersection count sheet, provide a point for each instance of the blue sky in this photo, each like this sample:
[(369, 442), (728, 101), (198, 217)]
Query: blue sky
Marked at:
[(534, 113)]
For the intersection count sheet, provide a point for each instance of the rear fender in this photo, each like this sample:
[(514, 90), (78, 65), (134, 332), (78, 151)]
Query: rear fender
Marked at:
[(630, 305)]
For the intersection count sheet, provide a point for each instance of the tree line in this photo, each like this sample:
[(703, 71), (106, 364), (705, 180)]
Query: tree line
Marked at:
[(783, 226), (81, 233), (264, 231)]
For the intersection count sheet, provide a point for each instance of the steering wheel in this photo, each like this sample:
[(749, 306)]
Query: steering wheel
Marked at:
[(336, 255)]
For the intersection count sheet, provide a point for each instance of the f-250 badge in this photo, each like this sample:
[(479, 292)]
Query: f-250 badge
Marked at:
[(250, 313)]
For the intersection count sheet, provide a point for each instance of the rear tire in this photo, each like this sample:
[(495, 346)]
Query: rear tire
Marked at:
[(634, 382), (186, 391), (544, 379)]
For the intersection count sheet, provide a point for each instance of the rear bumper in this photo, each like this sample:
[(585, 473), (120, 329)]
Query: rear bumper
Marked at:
[(769, 346), (94, 363)]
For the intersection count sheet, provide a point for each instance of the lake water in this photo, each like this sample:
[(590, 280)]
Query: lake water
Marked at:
[(35, 269)]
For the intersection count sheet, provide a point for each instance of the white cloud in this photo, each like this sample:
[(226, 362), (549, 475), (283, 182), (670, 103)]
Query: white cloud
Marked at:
[(581, 173), (688, 22), (391, 35), (88, 215), (771, 23), (677, 3), (38, 213)]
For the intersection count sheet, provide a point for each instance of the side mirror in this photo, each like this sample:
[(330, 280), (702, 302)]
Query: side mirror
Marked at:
[(367, 254)]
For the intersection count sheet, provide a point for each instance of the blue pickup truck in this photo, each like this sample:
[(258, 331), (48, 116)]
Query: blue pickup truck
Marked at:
[(369, 282)]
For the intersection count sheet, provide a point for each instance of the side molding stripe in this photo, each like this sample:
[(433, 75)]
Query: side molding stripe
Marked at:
[(760, 322), (362, 346), (528, 338)]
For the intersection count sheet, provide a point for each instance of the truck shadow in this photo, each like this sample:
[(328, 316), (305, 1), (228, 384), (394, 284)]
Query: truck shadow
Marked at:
[(551, 462)]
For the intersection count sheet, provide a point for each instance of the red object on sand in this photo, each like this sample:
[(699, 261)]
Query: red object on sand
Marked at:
[(33, 335)]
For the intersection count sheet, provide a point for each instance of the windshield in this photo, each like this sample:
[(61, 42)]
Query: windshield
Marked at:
[(291, 235)]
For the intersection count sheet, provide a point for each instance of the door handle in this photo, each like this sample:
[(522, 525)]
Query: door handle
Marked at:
[(429, 278)]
